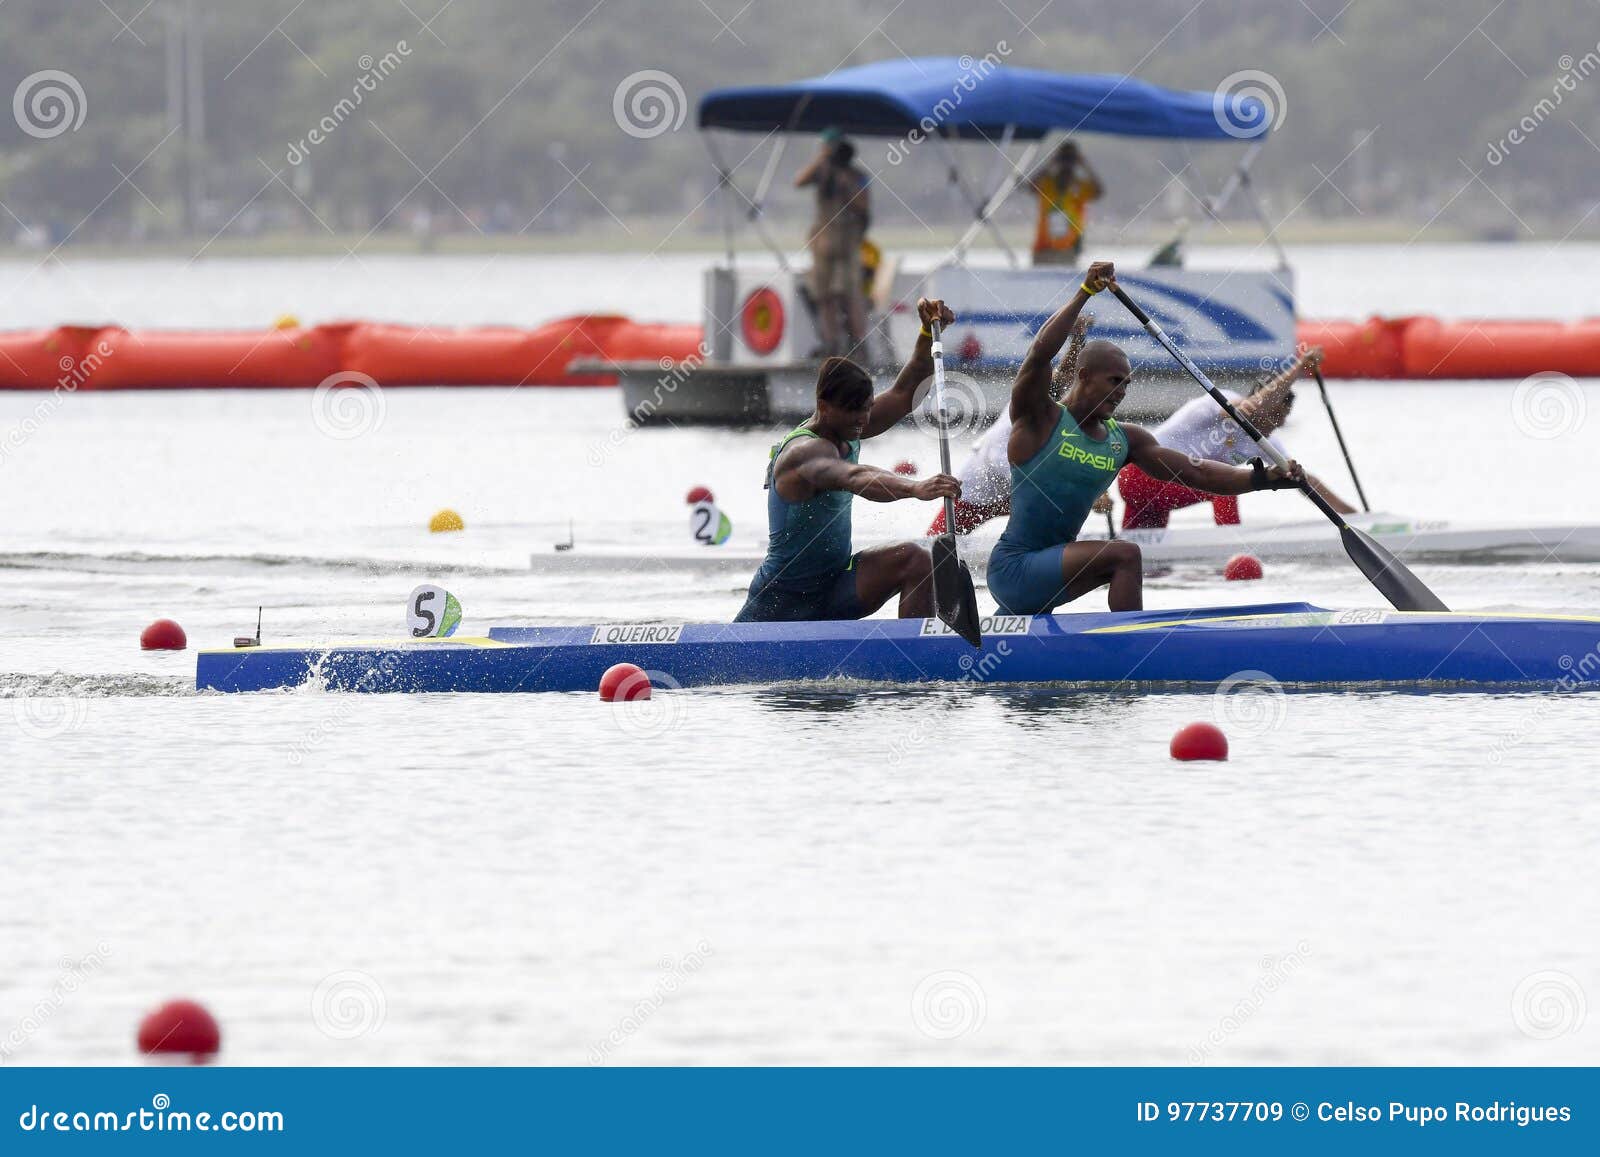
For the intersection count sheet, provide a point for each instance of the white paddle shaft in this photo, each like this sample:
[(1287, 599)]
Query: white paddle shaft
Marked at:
[(1217, 395), (944, 419)]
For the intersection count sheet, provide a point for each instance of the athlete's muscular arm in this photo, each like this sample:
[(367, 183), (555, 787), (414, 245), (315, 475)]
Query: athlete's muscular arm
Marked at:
[(1310, 359), (1067, 368), (1031, 404), (810, 467), (1167, 465), (896, 402)]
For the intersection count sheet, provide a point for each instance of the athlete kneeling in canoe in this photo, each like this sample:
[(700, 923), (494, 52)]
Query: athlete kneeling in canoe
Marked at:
[(1065, 454), (986, 474), (1202, 429), (813, 476)]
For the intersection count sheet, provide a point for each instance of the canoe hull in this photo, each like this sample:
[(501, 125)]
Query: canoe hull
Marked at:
[(1290, 644)]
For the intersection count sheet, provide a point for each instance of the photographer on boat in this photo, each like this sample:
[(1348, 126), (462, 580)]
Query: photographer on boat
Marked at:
[(1065, 185), (1064, 455), (1202, 430), (844, 211), (813, 476)]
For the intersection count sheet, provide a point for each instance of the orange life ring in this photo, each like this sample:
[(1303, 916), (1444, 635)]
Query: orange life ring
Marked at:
[(761, 320)]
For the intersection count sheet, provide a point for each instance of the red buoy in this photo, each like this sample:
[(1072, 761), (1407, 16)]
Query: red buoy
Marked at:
[(907, 467), (1200, 741), (624, 681), (1242, 568), (163, 635), (699, 494), (180, 1026)]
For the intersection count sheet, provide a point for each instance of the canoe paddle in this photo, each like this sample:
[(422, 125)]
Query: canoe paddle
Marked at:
[(955, 602), (1327, 404), (1396, 583)]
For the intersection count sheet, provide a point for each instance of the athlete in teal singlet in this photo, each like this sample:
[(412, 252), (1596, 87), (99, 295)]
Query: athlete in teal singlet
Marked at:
[(814, 475), (1065, 454)]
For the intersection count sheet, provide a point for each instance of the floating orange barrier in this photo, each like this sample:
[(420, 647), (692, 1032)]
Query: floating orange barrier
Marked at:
[(42, 359), (245, 359), (396, 355), (644, 341), (1500, 349), (110, 357), (576, 351), (1358, 349), (1427, 348)]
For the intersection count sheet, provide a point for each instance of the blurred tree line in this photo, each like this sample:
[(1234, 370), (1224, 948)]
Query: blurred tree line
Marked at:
[(197, 117)]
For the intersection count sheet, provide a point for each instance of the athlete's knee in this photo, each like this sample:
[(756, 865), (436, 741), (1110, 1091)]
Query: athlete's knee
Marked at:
[(1126, 555), (914, 560)]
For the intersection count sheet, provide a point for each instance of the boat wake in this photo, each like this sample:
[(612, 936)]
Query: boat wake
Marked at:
[(25, 686), (128, 562)]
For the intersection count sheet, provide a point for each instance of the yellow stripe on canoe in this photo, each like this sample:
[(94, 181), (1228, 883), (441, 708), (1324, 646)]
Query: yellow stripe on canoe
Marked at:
[(1389, 619), (342, 644)]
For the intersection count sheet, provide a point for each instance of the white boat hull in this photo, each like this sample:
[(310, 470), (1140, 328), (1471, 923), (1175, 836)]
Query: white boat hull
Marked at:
[(1413, 539)]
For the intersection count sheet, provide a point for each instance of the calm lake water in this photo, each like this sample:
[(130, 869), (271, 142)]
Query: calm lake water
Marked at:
[(746, 875)]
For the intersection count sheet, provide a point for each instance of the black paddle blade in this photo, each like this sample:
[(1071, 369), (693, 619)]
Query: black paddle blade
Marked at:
[(1393, 580), (955, 602)]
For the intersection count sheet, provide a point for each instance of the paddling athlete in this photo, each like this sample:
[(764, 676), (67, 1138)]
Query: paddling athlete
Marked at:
[(986, 474), (1065, 454), (1202, 429), (813, 476)]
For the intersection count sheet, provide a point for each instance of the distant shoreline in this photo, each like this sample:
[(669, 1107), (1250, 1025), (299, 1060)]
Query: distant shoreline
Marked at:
[(660, 236)]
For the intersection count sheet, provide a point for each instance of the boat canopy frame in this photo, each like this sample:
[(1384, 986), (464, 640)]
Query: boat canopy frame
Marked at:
[(948, 100)]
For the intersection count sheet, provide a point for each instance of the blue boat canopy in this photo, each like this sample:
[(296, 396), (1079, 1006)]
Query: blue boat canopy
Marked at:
[(976, 99)]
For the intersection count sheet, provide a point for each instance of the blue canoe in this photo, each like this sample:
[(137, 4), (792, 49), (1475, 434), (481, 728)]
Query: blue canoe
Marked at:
[(1293, 643)]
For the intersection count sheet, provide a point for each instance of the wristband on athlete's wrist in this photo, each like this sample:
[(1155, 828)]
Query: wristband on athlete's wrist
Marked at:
[(1260, 481)]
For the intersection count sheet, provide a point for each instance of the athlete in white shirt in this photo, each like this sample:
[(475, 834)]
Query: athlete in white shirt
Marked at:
[(1202, 430)]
